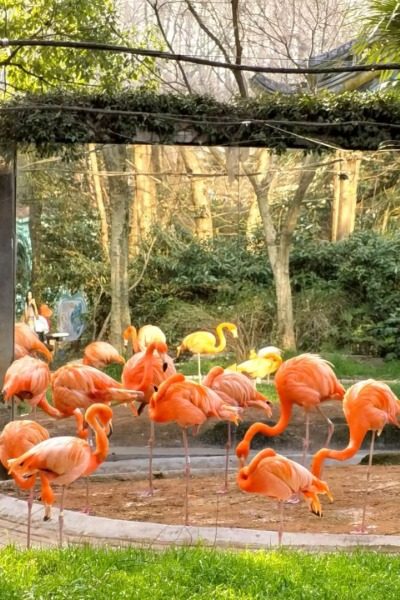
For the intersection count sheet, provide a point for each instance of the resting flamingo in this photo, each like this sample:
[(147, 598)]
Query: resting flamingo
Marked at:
[(140, 340), (143, 371), (27, 342), (306, 380), (27, 378), (278, 477), (16, 438), (101, 354), (204, 342), (77, 386), (62, 460), (189, 404), (237, 390), (259, 365), (368, 406)]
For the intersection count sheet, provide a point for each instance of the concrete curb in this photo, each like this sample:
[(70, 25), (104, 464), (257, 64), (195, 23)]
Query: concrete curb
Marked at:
[(83, 529)]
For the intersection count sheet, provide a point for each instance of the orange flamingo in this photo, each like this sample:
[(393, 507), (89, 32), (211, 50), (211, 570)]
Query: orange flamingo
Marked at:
[(27, 378), (101, 354), (305, 380), (367, 405), (189, 404), (62, 460), (140, 340), (143, 371), (278, 477), (16, 438), (27, 342), (204, 342), (77, 386), (237, 390)]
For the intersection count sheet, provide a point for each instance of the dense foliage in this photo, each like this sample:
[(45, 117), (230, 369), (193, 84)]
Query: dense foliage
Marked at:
[(351, 120)]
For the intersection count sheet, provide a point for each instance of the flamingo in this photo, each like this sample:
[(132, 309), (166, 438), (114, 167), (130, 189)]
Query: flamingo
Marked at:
[(62, 460), (144, 337), (143, 371), (16, 438), (204, 342), (305, 380), (276, 476), (189, 404), (27, 378), (77, 386), (101, 354), (367, 405), (27, 342), (237, 390)]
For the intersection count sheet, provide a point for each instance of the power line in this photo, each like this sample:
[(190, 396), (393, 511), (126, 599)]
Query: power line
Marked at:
[(201, 61)]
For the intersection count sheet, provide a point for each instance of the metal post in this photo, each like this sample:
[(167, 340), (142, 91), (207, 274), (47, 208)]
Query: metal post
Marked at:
[(7, 258)]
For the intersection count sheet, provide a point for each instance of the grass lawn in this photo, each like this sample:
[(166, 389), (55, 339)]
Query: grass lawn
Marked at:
[(196, 574)]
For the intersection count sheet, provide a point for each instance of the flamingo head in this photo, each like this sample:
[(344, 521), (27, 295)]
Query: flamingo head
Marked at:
[(242, 451)]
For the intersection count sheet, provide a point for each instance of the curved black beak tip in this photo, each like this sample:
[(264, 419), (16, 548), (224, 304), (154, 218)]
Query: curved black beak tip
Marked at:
[(155, 388), (165, 366), (110, 431)]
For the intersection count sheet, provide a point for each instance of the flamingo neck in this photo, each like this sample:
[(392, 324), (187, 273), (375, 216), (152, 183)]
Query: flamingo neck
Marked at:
[(355, 441), (49, 409), (102, 445), (221, 338), (134, 339)]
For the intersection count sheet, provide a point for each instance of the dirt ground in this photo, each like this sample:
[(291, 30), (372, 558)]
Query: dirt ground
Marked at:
[(126, 500)]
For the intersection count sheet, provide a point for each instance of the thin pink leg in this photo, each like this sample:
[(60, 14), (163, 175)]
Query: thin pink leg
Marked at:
[(306, 441), (30, 503), (187, 474), (331, 427), (151, 446), (228, 446), (363, 528), (280, 530), (61, 517), (199, 368)]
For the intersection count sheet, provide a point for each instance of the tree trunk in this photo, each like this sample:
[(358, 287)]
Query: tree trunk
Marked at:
[(119, 194), (284, 302), (98, 193), (144, 205), (345, 182), (200, 201), (35, 231)]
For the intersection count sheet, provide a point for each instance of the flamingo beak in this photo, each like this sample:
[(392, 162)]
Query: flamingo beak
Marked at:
[(110, 430), (165, 366)]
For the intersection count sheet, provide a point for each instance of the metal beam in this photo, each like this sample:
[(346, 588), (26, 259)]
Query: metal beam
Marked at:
[(7, 258)]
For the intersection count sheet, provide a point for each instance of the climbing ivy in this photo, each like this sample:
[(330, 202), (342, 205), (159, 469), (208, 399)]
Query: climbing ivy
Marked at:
[(357, 121)]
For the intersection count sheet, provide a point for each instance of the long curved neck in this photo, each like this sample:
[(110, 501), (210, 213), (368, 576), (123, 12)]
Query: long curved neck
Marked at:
[(102, 445), (284, 418), (133, 338), (148, 368), (49, 409), (266, 453), (220, 338), (356, 439)]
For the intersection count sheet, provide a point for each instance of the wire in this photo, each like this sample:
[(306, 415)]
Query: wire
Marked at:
[(201, 61)]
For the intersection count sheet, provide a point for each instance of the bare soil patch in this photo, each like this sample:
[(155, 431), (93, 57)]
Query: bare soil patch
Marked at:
[(124, 500)]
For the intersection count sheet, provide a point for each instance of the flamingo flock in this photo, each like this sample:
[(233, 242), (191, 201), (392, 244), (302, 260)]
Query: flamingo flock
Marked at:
[(149, 379)]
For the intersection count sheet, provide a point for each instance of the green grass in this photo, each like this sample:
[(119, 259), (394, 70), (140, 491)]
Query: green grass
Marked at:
[(353, 367), (196, 574)]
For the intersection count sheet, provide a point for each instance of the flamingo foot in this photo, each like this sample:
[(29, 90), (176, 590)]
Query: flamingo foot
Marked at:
[(361, 529), (87, 510), (294, 499), (148, 493), (222, 491)]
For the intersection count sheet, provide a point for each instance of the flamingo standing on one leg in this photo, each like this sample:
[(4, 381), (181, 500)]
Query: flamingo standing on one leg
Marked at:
[(16, 438), (62, 460), (144, 371), (27, 378), (144, 337), (101, 354), (367, 405), (237, 390), (189, 404), (305, 380), (278, 477), (204, 342), (27, 342)]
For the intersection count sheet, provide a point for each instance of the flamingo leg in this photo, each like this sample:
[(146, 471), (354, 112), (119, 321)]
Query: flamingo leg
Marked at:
[(331, 427), (363, 528), (306, 441), (228, 446), (199, 367), (61, 517), (30, 503), (187, 474), (280, 530), (151, 446), (86, 509)]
